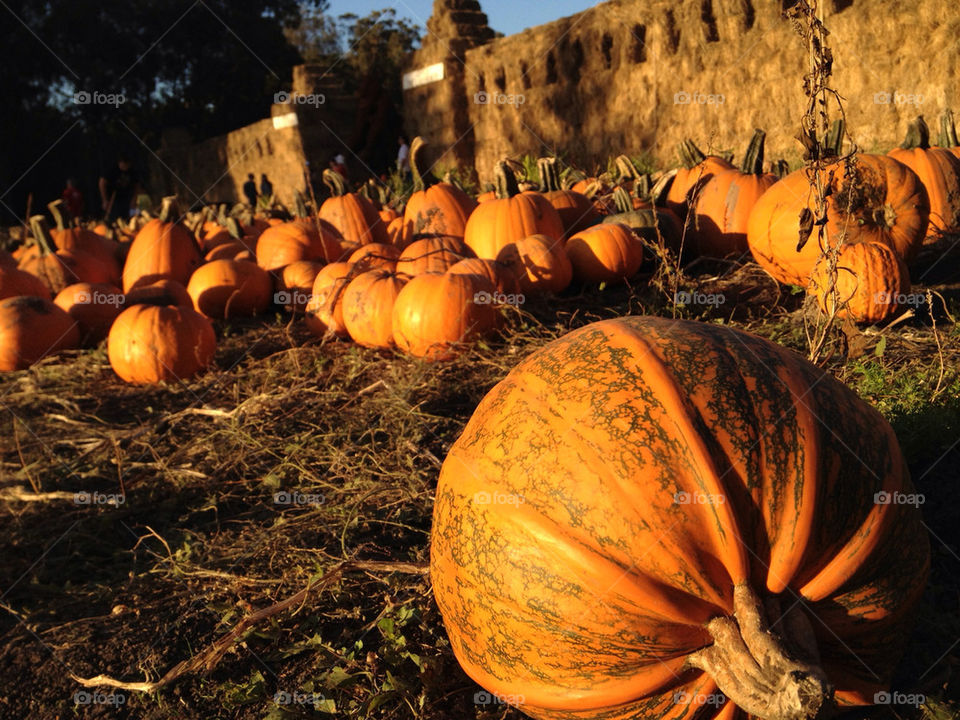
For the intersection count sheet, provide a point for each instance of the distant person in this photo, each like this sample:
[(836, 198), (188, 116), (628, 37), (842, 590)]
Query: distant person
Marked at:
[(72, 199), (266, 187), (250, 190), (118, 189), (403, 157), (339, 165)]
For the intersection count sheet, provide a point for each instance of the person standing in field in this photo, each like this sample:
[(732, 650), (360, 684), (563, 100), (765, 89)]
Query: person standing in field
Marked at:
[(266, 187), (72, 199), (250, 190), (118, 189), (403, 157)]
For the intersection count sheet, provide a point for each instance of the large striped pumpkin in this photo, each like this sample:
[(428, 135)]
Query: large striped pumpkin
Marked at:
[(632, 487)]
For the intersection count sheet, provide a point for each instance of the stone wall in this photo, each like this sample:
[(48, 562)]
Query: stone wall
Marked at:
[(640, 75)]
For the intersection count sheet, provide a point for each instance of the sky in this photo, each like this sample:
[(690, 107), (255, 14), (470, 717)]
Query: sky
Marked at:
[(507, 16)]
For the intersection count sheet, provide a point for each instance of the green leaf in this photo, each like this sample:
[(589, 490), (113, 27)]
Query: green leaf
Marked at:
[(881, 346)]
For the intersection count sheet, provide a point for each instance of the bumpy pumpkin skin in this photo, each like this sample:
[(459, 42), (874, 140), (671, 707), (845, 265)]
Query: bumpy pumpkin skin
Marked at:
[(324, 311), (230, 288), (939, 171), (870, 278), (499, 222), (605, 253), (435, 254), (605, 498), (895, 212), (32, 328), (540, 264), (435, 315), (161, 251), (149, 344), (368, 307)]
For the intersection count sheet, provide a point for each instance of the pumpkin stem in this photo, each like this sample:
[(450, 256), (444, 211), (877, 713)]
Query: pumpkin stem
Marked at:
[(41, 233), (60, 213), (417, 150), (169, 212), (233, 227), (573, 177), (918, 135), (833, 142), (300, 204), (948, 131), (626, 168), (336, 182), (753, 160), (506, 181), (658, 194), (622, 200), (641, 186), (770, 676), (690, 154), (781, 168), (549, 175)]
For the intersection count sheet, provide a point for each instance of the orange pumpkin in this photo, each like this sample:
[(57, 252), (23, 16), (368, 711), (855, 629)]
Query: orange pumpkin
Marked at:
[(32, 328), (230, 288), (540, 264), (93, 306), (305, 238), (869, 284), (79, 239), (511, 217), (577, 212), (295, 283), (162, 250), (724, 203), (395, 232), (697, 169), (324, 311), (432, 255), (627, 512), (14, 281), (435, 315), (605, 253), (150, 344), (500, 275), (439, 209), (57, 269), (351, 214), (368, 307), (162, 292), (939, 171), (878, 200), (375, 255)]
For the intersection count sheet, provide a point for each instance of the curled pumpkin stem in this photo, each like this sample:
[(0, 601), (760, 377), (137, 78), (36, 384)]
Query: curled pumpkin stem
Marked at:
[(770, 676)]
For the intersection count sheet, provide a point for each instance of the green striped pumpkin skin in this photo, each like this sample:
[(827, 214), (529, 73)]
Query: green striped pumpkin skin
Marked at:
[(583, 585)]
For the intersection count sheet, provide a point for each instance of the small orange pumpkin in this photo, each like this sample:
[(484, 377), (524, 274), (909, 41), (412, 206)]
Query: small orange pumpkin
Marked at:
[(432, 255), (501, 275), (605, 253), (162, 250), (14, 281), (94, 307), (32, 328), (57, 269), (353, 215), (577, 212), (540, 264), (438, 209), (162, 292), (324, 311), (295, 283), (511, 217), (697, 169), (368, 302), (150, 344), (375, 255), (230, 288), (305, 238)]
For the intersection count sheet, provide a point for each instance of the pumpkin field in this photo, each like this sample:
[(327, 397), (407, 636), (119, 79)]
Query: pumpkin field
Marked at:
[(620, 441)]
